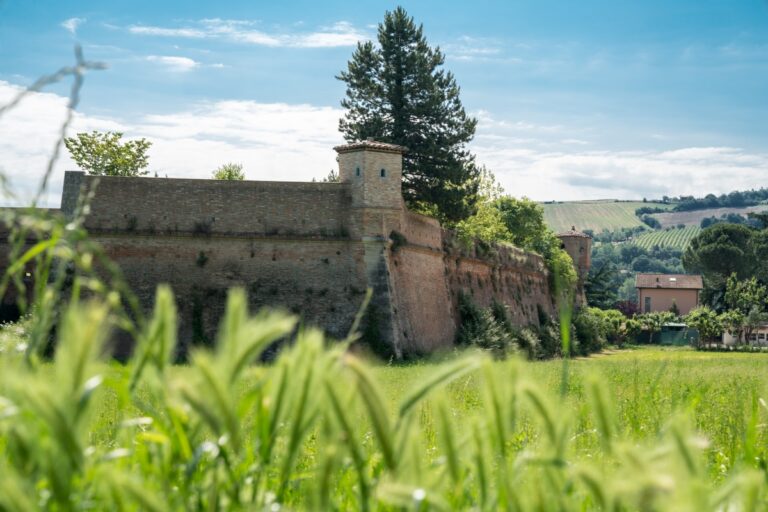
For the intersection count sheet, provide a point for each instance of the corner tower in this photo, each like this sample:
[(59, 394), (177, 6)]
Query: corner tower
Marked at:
[(375, 172), (578, 245)]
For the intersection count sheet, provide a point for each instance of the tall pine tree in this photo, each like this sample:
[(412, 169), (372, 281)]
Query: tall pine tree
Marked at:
[(397, 92)]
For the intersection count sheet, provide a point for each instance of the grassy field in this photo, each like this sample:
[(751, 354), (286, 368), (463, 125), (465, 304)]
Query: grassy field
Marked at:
[(595, 215), (645, 429), (673, 237), (649, 386)]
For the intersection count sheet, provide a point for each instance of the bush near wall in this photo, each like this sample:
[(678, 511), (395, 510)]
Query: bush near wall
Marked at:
[(491, 329)]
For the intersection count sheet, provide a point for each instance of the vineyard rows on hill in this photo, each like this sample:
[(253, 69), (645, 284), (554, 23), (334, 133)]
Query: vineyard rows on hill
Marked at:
[(594, 215), (673, 237)]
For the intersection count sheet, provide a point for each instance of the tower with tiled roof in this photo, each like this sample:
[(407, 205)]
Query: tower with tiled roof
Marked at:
[(375, 172), (578, 245)]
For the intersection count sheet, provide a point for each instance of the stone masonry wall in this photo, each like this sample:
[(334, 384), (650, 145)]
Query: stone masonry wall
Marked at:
[(172, 206), (509, 275), (318, 279), (430, 270)]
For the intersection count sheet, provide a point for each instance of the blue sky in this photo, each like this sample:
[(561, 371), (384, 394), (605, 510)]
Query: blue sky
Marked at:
[(576, 100)]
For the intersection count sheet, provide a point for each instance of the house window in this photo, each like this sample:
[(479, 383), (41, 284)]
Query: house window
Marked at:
[(647, 304), (383, 173), (357, 171)]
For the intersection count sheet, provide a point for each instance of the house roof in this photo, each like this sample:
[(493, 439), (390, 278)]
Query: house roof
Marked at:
[(674, 281), (574, 232), (371, 144)]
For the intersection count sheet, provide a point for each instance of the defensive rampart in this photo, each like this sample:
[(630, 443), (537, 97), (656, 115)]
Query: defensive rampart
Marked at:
[(311, 248)]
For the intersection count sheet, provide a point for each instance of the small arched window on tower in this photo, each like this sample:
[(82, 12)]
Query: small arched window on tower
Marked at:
[(383, 173), (357, 172)]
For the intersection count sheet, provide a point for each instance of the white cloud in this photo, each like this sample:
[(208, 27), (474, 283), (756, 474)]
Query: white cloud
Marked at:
[(341, 33), (274, 141), (472, 48), (167, 32), (71, 24), (277, 141), (175, 64), (27, 136), (563, 174)]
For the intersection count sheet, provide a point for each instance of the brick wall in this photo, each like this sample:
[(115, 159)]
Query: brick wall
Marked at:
[(428, 273), (171, 206), (318, 279), (421, 230)]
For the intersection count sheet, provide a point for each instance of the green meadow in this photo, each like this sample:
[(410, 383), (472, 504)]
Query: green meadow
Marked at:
[(322, 429)]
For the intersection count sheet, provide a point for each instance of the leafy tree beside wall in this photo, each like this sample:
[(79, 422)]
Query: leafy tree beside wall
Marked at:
[(520, 222), (398, 92), (229, 171), (103, 154)]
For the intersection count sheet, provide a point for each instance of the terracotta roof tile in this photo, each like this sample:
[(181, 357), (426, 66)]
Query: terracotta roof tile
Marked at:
[(677, 281), (574, 232), (371, 144)]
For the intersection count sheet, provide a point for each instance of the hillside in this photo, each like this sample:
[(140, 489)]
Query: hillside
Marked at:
[(595, 215), (694, 218), (673, 238)]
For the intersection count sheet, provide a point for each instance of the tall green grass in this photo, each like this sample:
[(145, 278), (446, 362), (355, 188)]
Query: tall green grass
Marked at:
[(321, 429)]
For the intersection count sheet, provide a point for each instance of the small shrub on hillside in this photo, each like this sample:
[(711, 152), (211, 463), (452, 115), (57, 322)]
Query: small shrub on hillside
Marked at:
[(651, 222)]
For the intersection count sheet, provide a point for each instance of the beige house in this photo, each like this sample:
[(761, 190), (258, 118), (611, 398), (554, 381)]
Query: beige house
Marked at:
[(658, 292)]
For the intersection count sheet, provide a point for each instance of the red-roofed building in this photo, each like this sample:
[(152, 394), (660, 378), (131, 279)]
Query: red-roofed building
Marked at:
[(658, 292)]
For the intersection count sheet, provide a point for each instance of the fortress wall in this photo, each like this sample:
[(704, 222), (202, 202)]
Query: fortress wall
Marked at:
[(421, 302), (305, 247), (430, 271), (516, 278), (421, 230), (317, 278), (422, 305), (161, 205)]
